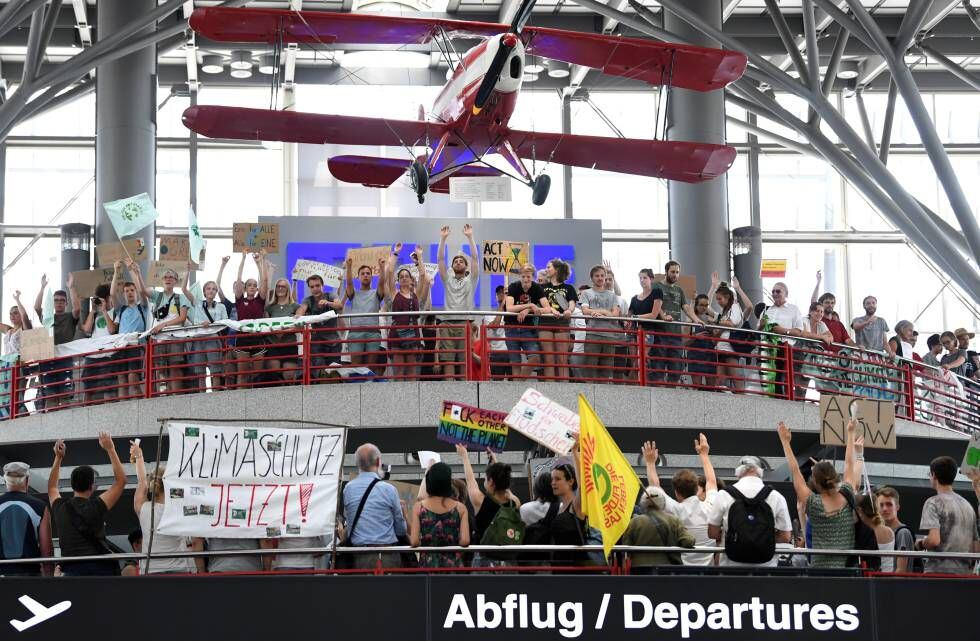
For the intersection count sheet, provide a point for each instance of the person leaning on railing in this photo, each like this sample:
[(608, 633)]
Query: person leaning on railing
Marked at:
[(949, 519), (19, 321)]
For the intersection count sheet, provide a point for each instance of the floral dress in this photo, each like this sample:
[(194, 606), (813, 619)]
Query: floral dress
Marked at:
[(437, 530)]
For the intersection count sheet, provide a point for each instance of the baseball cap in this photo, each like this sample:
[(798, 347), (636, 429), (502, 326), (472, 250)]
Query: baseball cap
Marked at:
[(962, 332), (747, 462), (16, 468)]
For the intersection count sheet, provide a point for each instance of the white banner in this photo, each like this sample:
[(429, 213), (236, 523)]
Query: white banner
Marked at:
[(86, 345), (332, 276), (544, 421), (251, 481), (431, 269)]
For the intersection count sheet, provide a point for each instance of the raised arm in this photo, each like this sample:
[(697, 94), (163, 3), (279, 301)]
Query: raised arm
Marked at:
[(424, 283), (715, 283), (186, 287), (238, 287), (608, 266), (76, 302), (852, 472), (816, 288), (53, 477), (474, 257), (799, 485), (139, 496), (388, 274), (114, 285), (472, 487), (137, 274), (650, 457), (112, 495), (703, 449), (39, 301), (24, 317), (743, 299), (383, 288), (221, 273), (349, 277), (441, 254), (263, 266)]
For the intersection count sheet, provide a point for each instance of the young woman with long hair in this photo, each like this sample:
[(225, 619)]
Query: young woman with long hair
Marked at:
[(553, 330), (282, 355), (729, 315)]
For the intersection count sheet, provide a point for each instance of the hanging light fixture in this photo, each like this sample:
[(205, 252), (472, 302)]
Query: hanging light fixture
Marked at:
[(848, 70), (242, 60), (212, 63), (530, 77), (267, 64), (558, 69), (240, 74)]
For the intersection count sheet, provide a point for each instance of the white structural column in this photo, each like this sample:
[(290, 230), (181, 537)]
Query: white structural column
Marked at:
[(125, 119), (698, 213)]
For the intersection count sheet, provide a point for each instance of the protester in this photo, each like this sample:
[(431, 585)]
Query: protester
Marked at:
[(884, 535), (25, 524), (528, 300), (250, 349), (282, 354), (621, 350), (570, 526), (438, 519), (364, 332), (729, 314), (599, 304), (56, 386), (80, 519), (225, 563), (646, 305), (545, 501), (669, 364), (888, 508), (19, 321), (131, 318), (955, 359), (655, 527), (901, 344), (131, 567), (489, 502), (782, 317), (148, 503), (963, 339), (404, 337), (553, 331), (98, 370), (325, 347), (375, 515), (500, 356), (169, 309), (459, 291), (208, 351), (701, 357), (949, 519), (870, 330)]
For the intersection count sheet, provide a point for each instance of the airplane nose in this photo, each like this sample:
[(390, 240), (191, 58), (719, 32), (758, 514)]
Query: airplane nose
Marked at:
[(189, 117)]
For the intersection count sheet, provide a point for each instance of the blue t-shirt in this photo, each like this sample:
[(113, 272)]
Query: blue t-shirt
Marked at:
[(131, 318)]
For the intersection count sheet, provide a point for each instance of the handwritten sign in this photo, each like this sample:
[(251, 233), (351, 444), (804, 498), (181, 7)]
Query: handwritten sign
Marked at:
[(177, 249), (431, 269), (109, 253), (368, 256), (36, 344), (971, 460), (544, 421), (86, 281), (463, 189), (505, 256), (251, 482), (332, 276), (154, 275), (255, 236), (773, 268), (473, 427), (876, 420)]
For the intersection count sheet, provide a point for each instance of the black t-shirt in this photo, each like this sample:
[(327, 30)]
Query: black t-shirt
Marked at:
[(559, 297), (640, 306), (90, 516), (533, 295)]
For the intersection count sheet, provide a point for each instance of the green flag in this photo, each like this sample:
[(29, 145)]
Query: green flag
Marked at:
[(194, 236), (197, 291), (129, 215), (47, 309)]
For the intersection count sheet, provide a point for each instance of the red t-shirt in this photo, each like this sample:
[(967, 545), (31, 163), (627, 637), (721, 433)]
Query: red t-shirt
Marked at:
[(474, 370), (250, 308), (838, 331)]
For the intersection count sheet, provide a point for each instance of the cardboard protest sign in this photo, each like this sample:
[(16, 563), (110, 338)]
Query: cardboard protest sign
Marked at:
[(36, 344), (332, 276), (177, 249), (109, 253), (876, 420), (154, 275), (971, 460), (255, 236), (473, 427), (688, 283), (407, 492), (368, 256), (251, 482), (505, 256), (544, 421), (86, 281)]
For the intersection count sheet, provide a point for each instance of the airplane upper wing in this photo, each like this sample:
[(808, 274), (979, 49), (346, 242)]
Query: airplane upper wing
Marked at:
[(657, 63), (293, 126), (675, 160)]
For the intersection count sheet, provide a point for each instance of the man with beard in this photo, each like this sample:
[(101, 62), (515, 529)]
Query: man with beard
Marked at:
[(459, 287), (871, 331), (669, 365)]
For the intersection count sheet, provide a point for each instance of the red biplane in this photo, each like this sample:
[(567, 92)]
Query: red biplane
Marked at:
[(469, 118)]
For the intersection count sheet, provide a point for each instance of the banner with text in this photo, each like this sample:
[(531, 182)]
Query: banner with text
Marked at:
[(332, 276), (251, 481), (368, 256), (544, 421), (255, 236), (876, 420), (505, 256), (473, 427)]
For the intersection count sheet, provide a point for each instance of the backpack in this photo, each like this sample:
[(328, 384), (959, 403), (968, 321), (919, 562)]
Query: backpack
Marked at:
[(743, 348), (506, 528), (751, 533), (539, 533), (864, 538), (915, 564), (663, 529)]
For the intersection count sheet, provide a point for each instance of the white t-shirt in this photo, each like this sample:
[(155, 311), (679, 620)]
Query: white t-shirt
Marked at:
[(11, 341), (749, 486), (495, 335), (534, 511), (693, 512), (297, 561), (163, 543), (578, 331), (787, 316), (735, 316)]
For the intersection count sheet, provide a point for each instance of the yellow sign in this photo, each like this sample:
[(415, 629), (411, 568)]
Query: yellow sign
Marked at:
[(774, 268), (505, 256), (611, 486)]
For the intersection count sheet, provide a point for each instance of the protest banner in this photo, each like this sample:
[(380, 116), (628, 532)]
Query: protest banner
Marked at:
[(971, 460), (177, 249), (255, 236), (544, 421), (36, 344), (332, 276), (109, 253), (86, 281), (505, 256), (688, 283), (251, 481), (876, 420), (154, 275), (473, 427), (368, 256)]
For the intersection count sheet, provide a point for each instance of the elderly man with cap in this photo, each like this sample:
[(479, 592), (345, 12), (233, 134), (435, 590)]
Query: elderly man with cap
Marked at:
[(25, 524), (749, 485), (655, 527)]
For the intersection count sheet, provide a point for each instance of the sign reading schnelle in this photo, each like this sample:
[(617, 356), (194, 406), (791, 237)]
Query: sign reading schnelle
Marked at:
[(251, 481)]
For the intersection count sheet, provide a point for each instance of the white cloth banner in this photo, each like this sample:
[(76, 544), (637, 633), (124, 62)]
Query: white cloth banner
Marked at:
[(544, 421), (255, 326), (86, 345), (251, 481)]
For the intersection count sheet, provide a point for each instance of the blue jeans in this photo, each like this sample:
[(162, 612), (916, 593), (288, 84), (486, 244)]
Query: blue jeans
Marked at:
[(521, 338), (668, 347)]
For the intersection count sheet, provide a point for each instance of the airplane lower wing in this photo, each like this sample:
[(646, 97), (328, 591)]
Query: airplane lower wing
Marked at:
[(383, 172), (293, 126), (657, 63), (674, 160)]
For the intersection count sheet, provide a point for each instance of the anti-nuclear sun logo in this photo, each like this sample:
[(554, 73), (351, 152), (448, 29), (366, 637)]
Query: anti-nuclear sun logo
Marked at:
[(131, 211)]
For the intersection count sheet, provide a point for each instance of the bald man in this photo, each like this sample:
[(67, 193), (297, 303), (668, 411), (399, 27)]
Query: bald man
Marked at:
[(382, 518)]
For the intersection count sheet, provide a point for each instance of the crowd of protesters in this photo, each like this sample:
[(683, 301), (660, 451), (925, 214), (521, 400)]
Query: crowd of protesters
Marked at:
[(746, 516), (544, 328)]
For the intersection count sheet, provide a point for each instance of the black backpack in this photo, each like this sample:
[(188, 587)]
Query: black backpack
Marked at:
[(743, 348), (751, 534), (864, 538), (539, 534)]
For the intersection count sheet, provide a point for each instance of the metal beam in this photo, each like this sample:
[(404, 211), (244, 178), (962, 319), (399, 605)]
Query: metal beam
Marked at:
[(972, 13), (886, 128), (792, 47), (728, 7), (33, 45), (951, 66), (50, 22), (13, 13), (869, 133), (812, 53), (923, 15)]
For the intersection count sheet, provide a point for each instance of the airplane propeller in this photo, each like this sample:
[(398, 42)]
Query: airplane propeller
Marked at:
[(507, 44)]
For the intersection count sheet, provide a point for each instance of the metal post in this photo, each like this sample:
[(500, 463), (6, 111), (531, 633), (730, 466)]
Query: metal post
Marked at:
[(790, 374), (125, 119), (290, 162), (886, 129), (869, 133), (755, 203), (307, 356), (14, 373), (641, 354), (566, 129), (951, 66), (192, 157), (812, 53), (698, 213), (468, 346), (148, 368), (485, 361), (909, 391)]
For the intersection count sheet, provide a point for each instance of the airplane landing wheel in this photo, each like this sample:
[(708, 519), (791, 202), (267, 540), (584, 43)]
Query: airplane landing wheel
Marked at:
[(419, 177), (539, 189)]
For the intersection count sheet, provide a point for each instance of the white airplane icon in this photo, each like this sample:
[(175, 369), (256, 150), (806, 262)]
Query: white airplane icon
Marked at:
[(40, 612)]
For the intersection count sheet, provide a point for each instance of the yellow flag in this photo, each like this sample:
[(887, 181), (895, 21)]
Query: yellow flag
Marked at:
[(611, 486)]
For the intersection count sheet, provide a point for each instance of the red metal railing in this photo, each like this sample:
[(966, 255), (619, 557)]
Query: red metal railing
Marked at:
[(638, 353)]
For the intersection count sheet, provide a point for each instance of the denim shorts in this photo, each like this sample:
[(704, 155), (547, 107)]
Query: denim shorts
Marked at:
[(522, 338)]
